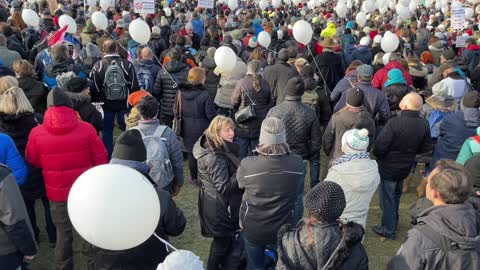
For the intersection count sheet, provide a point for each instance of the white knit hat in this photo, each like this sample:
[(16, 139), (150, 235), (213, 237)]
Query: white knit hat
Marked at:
[(156, 30), (181, 259), (377, 39), (365, 41), (355, 141), (252, 42)]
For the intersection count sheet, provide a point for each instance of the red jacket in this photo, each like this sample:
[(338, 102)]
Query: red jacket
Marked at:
[(381, 77), (64, 147)]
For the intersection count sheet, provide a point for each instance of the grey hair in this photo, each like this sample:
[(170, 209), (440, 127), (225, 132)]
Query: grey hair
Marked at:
[(273, 149), (451, 182)]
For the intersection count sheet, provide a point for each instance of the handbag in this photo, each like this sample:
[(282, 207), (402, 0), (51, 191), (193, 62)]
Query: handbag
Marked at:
[(177, 120), (248, 112)]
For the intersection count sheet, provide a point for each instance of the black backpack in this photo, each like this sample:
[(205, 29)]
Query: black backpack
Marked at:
[(456, 255)]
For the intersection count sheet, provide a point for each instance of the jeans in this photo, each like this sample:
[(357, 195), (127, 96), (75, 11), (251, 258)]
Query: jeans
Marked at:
[(218, 250), (50, 227), (298, 213), (314, 171), (247, 145), (12, 261), (256, 254), (109, 125), (390, 192)]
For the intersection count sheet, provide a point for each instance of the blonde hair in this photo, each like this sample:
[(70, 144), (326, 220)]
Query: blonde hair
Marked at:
[(7, 82), (14, 101), (196, 75), (378, 59), (23, 68), (213, 131)]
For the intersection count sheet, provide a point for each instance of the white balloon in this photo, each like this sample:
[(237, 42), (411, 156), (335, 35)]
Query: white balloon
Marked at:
[(412, 6), (391, 5), (91, 3), (31, 2), (263, 4), (303, 12), (438, 5), (264, 39), (349, 4), (456, 4), (370, 5), (361, 19), (287, 2), (296, 2), (382, 10), (113, 207), (168, 11), (276, 3), (469, 13), (30, 17), (232, 4), (389, 42), (139, 31), (341, 10), (67, 20), (381, 3), (99, 19), (404, 3), (105, 4), (428, 3), (225, 58), (311, 4), (302, 32), (402, 11), (444, 9)]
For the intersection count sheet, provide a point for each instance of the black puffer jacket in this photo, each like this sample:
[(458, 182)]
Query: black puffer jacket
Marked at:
[(301, 124), (197, 112), (157, 44), (219, 197), (277, 77), (87, 111), (262, 100), (395, 93), (164, 89), (36, 93), (332, 68), (18, 127), (212, 80), (324, 112), (269, 184), (331, 247)]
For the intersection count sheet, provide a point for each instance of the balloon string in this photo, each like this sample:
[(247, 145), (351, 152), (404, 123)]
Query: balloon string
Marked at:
[(316, 64), (160, 63), (165, 242)]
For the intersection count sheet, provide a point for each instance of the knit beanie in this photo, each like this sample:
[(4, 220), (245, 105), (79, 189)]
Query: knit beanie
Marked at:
[(355, 98), (272, 131), (148, 107), (92, 50), (164, 21), (326, 201), (156, 30), (355, 141), (365, 41), (130, 146), (57, 97), (471, 100), (77, 84), (211, 52), (283, 55), (377, 39), (135, 97), (395, 76), (294, 87)]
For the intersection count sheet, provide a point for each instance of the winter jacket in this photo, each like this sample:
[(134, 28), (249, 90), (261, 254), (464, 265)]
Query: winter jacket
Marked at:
[(381, 76), (359, 179), (12, 158), (15, 45), (86, 110), (197, 112), (212, 80), (297, 250), (341, 122), (228, 81), (422, 36), (36, 93), (8, 56), (301, 125), (240, 99), (55, 69), (376, 102), (332, 68), (454, 130), (18, 127), (16, 234), (148, 127), (459, 223), (148, 65), (150, 253), (157, 44), (470, 148), (324, 110), (395, 93), (471, 57), (98, 76), (269, 184), (64, 147), (347, 41), (436, 49), (364, 54), (164, 90), (402, 138), (219, 197), (346, 83), (88, 35), (277, 77)]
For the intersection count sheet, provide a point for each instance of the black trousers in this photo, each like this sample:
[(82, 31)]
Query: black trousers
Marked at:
[(11, 261), (218, 251), (192, 166)]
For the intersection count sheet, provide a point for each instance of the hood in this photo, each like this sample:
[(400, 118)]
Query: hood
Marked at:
[(394, 64), (471, 117), (60, 120), (140, 167), (27, 82), (473, 47), (458, 222), (200, 149), (56, 68), (174, 66), (310, 83), (191, 92), (78, 99), (358, 170)]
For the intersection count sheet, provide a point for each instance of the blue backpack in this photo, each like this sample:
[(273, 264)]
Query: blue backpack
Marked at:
[(145, 78)]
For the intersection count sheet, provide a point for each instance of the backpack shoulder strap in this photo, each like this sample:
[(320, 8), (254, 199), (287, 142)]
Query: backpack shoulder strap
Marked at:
[(159, 131)]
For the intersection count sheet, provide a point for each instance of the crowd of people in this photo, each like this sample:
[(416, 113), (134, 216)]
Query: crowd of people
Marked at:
[(357, 113)]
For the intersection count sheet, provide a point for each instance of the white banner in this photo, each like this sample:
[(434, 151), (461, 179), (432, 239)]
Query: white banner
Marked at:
[(205, 3), (458, 18), (144, 6)]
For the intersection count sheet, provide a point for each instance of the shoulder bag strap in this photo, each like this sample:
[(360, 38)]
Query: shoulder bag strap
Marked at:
[(251, 100), (179, 103)]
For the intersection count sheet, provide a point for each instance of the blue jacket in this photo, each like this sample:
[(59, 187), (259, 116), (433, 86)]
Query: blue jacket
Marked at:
[(364, 54), (454, 130), (9, 156), (198, 27)]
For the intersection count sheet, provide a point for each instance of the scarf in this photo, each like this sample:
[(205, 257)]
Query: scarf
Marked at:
[(349, 157)]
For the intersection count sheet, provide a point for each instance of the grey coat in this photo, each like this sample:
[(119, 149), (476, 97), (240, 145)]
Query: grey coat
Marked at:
[(8, 56), (277, 77)]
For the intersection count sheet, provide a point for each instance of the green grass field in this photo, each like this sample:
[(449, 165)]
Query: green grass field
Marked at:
[(379, 252)]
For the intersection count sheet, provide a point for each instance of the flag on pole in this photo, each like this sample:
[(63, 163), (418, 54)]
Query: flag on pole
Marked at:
[(57, 37)]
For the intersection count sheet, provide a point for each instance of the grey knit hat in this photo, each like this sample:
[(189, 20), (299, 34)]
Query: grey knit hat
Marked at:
[(92, 50), (326, 201), (272, 131)]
